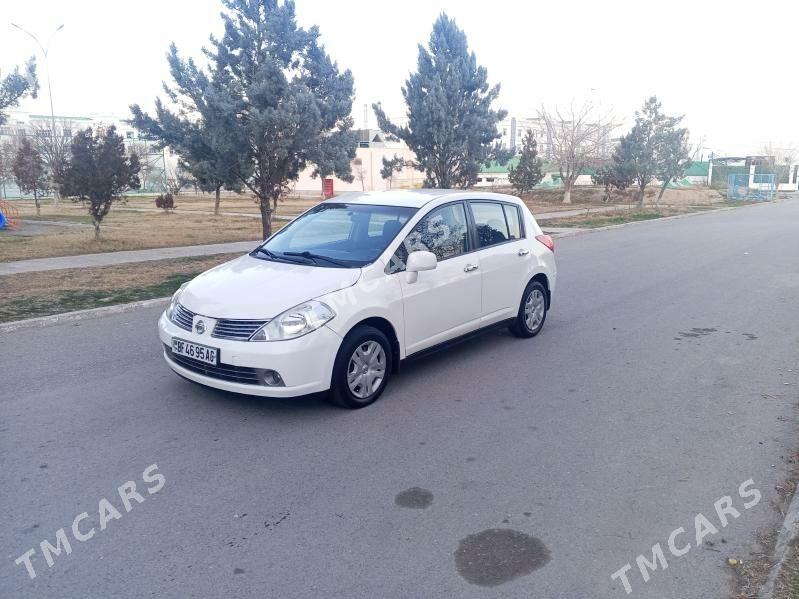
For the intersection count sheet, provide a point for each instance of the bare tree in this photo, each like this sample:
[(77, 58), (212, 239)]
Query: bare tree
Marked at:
[(578, 137), (179, 178), (53, 146), (783, 158), (8, 152), (150, 160), (359, 170), (30, 172)]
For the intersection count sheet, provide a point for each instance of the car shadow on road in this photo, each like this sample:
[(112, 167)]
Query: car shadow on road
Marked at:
[(474, 349), (314, 403)]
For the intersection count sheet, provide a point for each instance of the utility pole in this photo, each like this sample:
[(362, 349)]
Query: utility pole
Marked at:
[(45, 48)]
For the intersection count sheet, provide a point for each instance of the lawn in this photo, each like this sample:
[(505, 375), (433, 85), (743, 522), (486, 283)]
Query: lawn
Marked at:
[(53, 292), (621, 216), (136, 225)]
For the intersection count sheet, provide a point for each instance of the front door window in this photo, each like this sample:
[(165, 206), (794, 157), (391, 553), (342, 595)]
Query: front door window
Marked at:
[(443, 232)]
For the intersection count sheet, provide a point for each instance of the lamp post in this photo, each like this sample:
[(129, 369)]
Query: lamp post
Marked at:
[(45, 48)]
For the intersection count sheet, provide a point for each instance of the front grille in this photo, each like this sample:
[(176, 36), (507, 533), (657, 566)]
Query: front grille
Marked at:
[(240, 330), (182, 317), (225, 372)]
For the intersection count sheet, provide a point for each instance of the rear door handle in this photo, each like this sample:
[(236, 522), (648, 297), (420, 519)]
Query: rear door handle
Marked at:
[(523, 252), (470, 267)]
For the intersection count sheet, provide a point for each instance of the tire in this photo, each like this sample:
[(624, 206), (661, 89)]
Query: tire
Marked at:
[(528, 323), (366, 348)]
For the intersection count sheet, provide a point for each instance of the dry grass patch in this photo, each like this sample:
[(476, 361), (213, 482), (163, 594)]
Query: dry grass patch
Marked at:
[(130, 231), (185, 202), (127, 227), (53, 292), (551, 200), (622, 215)]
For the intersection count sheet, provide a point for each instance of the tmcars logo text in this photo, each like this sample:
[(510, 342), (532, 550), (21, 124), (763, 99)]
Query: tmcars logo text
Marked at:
[(105, 509), (677, 543)]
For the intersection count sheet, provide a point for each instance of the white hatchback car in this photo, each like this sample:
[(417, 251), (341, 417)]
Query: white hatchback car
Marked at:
[(339, 296)]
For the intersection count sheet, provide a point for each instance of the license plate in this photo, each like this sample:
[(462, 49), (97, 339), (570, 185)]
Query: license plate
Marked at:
[(209, 355)]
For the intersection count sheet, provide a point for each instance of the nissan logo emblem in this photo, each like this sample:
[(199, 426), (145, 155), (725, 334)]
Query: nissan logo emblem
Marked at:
[(199, 327)]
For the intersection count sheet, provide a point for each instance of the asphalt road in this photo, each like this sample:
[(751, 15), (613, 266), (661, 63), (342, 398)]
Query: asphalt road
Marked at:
[(667, 375)]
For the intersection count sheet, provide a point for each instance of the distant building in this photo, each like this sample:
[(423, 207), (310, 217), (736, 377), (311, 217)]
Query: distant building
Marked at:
[(513, 129), (372, 148), (23, 123), (156, 164)]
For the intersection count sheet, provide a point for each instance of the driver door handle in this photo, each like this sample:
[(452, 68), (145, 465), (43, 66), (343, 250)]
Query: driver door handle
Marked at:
[(470, 267)]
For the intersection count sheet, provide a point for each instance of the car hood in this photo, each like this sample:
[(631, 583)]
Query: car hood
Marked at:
[(250, 288)]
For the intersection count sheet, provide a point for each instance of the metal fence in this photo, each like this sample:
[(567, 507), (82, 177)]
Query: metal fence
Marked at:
[(762, 186)]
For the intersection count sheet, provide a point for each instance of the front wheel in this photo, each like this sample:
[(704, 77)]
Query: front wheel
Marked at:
[(532, 311), (362, 368)]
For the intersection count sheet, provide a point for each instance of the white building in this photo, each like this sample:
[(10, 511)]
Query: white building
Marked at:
[(513, 129), (157, 165), (372, 148)]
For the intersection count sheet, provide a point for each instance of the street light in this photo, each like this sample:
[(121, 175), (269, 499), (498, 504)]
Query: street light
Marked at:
[(44, 48)]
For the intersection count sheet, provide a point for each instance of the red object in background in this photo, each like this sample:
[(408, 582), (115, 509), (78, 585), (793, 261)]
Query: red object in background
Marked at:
[(327, 188)]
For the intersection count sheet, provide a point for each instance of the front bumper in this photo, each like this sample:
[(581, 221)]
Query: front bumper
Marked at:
[(305, 364)]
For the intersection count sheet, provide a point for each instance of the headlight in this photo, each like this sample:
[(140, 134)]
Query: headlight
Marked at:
[(295, 322), (174, 301)]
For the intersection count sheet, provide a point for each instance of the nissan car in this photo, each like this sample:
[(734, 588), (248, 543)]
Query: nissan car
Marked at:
[(339, 297)]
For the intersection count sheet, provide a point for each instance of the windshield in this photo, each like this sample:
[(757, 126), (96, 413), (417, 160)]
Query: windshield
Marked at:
[(337, 235)]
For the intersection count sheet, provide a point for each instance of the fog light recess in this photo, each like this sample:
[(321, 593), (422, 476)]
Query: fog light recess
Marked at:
[(271, 378)]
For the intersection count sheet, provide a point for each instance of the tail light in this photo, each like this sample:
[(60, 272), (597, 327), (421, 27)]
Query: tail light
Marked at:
[(547, 241)]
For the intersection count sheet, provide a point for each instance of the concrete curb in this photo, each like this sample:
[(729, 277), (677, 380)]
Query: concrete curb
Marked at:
[(785, 541), (44, 321)]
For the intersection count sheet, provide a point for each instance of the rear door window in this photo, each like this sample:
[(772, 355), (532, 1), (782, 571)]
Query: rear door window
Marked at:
[(514, 222), (490, 223)]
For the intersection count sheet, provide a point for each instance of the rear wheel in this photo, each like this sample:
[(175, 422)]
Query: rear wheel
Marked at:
[(532, 311), (362, 368)]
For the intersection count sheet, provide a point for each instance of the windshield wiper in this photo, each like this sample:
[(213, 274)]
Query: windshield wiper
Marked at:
[(272, 255), (264, 251), (311, 256)]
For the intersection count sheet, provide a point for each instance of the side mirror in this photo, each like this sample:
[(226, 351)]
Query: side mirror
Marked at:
[(417, 262)]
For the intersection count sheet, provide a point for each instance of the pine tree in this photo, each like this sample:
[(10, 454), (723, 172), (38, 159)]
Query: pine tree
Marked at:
[(613, 175), (654, 147), (451, 125), (673, 156), (278, 98), (98, 171), (15, 86), (527, 173), (30, 173), (198, 132)]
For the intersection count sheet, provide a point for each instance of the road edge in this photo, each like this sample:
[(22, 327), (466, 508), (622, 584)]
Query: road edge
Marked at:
[(789, 531), (77, 316)]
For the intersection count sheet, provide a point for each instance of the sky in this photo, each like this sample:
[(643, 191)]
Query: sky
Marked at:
[(731, 67)]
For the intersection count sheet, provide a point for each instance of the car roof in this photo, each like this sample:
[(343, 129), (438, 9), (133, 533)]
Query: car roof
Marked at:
[(413, 198)]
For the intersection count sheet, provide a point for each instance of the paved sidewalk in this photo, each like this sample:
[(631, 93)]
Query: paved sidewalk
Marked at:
[(125, 257), (577, 212), (209, 212)]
